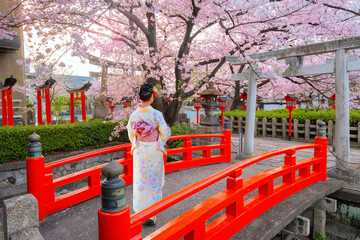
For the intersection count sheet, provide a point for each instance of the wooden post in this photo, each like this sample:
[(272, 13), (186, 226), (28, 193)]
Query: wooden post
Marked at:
[(296, 129), (358, 134), (273, 124), (239, 124), (241, 127), (342, 128), (284, 121), (256, 126), (317, 127), (232, 124), (264, 127), (330, 131), (307, 130)]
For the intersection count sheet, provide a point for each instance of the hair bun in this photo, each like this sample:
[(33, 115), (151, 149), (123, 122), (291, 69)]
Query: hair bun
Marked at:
[(146, 91)]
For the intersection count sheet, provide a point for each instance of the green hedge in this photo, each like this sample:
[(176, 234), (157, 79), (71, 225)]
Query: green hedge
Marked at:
[(65, 137), (301, 114), (54, 138)]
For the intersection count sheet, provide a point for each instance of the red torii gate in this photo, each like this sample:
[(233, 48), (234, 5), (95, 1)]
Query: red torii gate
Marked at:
[(43, 92), (74, 95), (6, 100)]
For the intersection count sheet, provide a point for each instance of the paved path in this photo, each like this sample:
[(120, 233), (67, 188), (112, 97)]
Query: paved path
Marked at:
[(80, 221)]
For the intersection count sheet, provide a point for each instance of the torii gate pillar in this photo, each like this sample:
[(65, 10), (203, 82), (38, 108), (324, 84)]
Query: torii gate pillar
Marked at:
[(342, 130), (250, 117)]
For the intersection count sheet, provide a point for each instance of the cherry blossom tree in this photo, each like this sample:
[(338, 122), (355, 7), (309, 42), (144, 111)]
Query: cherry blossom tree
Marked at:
[(180, 45)]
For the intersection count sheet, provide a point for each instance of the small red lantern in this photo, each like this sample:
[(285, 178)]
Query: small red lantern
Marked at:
[(290, 100), (126, 101), (244, 97), (197, 105), (333, 100), (222, 101)]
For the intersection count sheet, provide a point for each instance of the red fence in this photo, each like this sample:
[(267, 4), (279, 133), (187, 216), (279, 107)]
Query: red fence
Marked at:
[(295, 175), (41, 183)]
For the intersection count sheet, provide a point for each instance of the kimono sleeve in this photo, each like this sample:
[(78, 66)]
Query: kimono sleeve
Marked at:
[(129, 129), (164, 129)]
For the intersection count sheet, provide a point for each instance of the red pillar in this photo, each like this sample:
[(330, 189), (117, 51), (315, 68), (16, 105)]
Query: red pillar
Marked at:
[(197, 115), (72, 110), (38, 98), (48, 108), (290, 121), (83, 107), (4, 106), (112, 111), (10, 107)]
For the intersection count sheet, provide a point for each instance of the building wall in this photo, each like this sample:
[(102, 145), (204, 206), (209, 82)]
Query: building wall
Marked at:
[(10, 67)]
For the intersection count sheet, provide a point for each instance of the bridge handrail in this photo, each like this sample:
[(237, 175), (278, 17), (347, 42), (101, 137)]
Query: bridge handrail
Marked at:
[(208, 181), (102, 151), (83, 156), (41, 182)]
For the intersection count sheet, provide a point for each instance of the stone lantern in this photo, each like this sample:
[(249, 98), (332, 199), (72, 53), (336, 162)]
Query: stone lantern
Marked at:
[(209, 124), (210, 104)]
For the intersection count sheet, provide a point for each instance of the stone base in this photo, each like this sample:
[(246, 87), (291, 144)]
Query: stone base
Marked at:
[(243, 156), (20, 213), (27, 234), (100, 108), (201, 129)]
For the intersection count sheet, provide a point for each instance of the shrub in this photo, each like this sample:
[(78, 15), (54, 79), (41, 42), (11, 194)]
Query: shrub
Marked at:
[(301, 114), (54, 138), (176, 130)]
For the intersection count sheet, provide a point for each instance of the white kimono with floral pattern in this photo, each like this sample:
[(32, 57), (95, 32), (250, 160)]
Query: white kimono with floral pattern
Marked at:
[(148, 153)]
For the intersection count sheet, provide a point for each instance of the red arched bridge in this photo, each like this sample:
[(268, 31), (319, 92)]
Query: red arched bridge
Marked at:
[(266, 189)]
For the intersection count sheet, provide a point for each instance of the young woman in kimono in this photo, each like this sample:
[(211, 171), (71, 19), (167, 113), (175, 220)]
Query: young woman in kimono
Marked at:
[(148, 133)]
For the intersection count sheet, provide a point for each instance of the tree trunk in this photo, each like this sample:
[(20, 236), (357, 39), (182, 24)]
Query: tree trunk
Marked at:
[(236, 101), (170, 111)]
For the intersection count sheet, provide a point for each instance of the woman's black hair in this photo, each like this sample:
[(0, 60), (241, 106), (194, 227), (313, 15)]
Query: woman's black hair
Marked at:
[(146, 90)]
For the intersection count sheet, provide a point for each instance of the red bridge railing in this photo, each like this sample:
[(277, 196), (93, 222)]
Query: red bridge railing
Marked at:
[(295, 175), (41, 182)]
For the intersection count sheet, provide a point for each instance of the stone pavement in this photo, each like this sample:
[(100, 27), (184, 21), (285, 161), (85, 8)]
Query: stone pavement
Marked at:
[(80, 221)]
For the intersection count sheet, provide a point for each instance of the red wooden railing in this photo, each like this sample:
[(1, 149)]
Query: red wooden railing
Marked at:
[(41, 183), (296, 175)]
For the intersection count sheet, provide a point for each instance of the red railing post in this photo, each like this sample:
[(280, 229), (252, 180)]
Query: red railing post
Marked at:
[(187, 144), (233, 183), (114, 214), (226, 140), (290, 160), (35, 171), (321, 152)]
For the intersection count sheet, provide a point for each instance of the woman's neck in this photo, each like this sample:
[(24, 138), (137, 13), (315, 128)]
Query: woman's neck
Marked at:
[(145, 104)]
